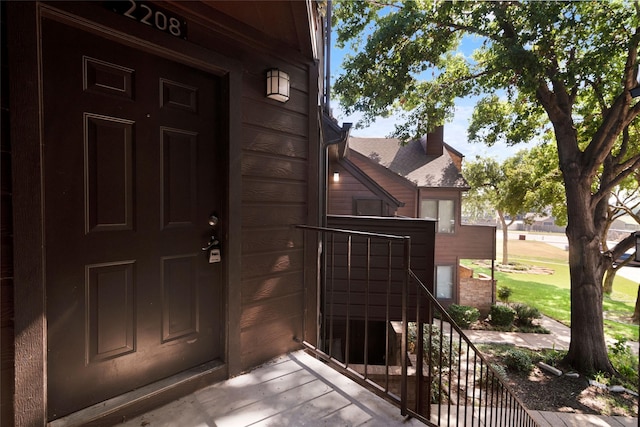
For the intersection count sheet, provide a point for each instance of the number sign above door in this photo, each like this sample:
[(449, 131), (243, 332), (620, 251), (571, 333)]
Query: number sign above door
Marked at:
[(151, 15)]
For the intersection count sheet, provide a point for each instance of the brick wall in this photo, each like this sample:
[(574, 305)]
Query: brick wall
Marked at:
[(476, 292)]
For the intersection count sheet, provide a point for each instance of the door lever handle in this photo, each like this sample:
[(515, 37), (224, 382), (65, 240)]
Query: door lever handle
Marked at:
[(212, 242)]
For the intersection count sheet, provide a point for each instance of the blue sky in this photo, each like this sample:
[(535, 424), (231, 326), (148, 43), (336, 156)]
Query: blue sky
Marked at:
[(455, 132)]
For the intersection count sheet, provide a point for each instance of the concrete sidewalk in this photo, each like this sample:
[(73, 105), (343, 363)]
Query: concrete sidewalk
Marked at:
[(558, 339), (565, 419)]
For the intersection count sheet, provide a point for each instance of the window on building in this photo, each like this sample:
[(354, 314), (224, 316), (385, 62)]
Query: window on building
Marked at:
[(444, 282), (443, 211), (367, 207)]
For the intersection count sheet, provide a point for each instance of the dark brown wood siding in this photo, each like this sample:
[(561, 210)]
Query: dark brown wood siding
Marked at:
[(275, 190), (471, 242), (342, 195), (422, 234), (6, 238), (272, 175), (397, 186)]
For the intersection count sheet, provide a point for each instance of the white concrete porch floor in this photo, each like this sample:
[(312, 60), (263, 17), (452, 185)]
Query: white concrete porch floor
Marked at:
[(292, 390), (298, 390)]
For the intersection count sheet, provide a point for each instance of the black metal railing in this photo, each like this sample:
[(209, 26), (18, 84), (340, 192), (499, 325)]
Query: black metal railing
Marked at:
[(380, 325)]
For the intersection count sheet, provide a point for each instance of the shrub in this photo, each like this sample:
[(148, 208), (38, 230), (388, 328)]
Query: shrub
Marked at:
[(553, 357), (486, 378), (438, 353), (463, 315), (504, 293), (625, 362), (517, 360), (525, 314), (435, 346), (502, 315)]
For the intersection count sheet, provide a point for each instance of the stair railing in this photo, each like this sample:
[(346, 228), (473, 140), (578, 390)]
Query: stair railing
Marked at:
[(381, 326)]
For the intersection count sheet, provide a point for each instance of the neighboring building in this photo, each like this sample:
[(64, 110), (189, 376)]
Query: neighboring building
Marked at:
[(421, 179), (133, 132), (536, 223), (625, 223)]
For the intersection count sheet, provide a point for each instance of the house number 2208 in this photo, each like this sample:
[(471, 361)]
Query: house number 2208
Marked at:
[(149, 14)]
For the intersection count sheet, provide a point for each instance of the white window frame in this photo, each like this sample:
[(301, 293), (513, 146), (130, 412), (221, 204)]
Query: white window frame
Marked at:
[(449, 292), (453, 225)]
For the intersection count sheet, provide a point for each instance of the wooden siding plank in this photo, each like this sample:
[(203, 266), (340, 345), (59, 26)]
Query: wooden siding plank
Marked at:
[(275, 118), (269, 166), (260, 215), (276, 191), (473, 242), (341, 194), (271, 339), (272, 239), (401, 189), (258, 139), (338, 287), (260, 315), (258, 265), (263, 289)]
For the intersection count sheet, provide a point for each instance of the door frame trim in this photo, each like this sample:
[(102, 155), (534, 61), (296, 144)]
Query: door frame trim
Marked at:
[(26, 111)]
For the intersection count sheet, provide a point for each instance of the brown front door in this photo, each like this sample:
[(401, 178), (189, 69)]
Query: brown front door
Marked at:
[(132, 176)]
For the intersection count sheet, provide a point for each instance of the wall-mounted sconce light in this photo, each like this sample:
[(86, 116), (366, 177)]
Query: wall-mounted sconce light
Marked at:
[(336, 176), (277, 85)]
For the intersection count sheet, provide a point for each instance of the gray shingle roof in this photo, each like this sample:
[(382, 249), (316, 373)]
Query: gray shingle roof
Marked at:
[(411, 162)]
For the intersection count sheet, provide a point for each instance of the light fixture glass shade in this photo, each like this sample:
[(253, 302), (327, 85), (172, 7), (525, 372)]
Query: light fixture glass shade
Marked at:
[(278, 85), (336, 176)]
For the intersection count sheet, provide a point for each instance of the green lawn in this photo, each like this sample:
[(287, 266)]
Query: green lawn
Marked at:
[(549, 293)]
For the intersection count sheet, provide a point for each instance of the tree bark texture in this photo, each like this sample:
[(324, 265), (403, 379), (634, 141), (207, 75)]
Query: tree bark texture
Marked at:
[(505, 238), (608, 280), (636, 312), (588, 349)]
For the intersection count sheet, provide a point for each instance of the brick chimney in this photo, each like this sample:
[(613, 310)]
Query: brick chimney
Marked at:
[(434, 144)]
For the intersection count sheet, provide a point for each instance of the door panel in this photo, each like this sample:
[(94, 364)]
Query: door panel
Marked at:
[(109, 186), (131, 171)]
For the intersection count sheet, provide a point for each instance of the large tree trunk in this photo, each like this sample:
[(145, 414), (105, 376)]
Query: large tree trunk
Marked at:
[(588, 349), (505, 238), (636, 312)]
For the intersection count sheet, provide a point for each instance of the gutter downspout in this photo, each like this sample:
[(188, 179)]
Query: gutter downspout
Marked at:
[(327, 61)]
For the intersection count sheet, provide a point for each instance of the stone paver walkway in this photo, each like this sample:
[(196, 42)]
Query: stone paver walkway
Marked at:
[(558, 339)]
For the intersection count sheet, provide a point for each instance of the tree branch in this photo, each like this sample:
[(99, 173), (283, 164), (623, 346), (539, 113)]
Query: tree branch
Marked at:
[(627, 168), (618, 116)]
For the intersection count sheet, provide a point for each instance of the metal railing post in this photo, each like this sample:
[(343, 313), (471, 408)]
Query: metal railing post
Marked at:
[(405, 324), (460, 387)]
